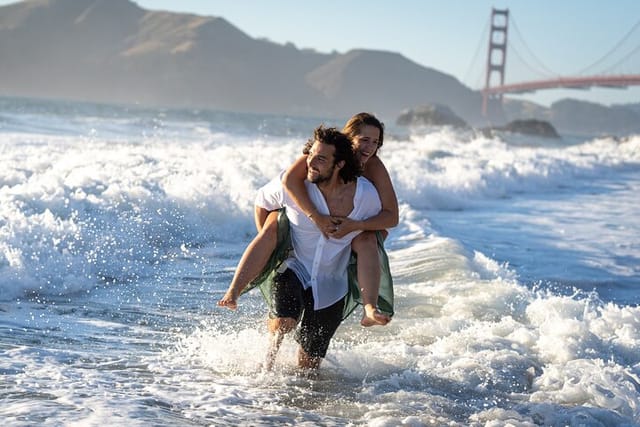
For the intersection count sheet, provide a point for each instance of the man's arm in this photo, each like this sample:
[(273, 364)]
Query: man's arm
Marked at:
[(260, 215)]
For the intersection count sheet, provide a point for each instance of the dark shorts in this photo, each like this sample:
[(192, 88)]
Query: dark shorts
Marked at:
[(316, 328)]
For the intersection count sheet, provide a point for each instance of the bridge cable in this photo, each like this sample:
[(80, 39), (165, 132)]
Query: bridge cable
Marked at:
[(542, 66), (481, 41), (606, 55), (629, 55), (531, 68)]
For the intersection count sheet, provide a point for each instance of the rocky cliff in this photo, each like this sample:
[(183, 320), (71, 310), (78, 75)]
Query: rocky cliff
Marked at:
[(115, 51)]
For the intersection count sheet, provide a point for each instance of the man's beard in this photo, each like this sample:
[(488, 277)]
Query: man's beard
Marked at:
[(319, 179)]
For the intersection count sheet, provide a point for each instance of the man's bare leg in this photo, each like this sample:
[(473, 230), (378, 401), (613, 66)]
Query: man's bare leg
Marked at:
[(253, 261), (307, 362), (366, 246), (275, 339), (278, 328)]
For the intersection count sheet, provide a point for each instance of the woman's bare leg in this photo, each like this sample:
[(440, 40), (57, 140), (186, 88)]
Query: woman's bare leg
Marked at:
[(253, 261), (365, 245)]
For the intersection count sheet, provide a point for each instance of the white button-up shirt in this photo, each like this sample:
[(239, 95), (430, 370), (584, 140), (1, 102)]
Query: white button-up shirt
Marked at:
[(319, 262)]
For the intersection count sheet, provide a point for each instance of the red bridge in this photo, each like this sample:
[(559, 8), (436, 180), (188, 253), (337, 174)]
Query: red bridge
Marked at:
[(496, 61), (621, 81)]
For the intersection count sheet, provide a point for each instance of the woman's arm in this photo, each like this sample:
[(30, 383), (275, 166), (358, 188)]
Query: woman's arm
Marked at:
[(377, 173), (293, 182)]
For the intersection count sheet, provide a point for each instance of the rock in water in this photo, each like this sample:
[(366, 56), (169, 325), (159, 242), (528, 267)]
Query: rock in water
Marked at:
[(430, 115), (532, 127)]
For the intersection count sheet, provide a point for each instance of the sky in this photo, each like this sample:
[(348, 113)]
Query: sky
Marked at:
[(546, 38)]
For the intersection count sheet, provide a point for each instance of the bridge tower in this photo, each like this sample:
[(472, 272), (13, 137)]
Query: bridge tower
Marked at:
[(497, 56)]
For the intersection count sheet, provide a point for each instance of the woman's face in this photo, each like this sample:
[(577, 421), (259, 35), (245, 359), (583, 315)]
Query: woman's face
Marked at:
[(366, 142)]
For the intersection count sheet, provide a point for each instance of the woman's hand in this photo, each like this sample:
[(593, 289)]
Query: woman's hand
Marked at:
[(229, 300), (343, 226), (325, 223)]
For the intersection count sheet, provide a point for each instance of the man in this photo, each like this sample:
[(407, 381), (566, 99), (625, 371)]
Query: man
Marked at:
[(311, 285)]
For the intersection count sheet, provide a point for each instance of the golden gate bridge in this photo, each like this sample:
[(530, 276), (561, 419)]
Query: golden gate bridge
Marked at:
[(492, 94)]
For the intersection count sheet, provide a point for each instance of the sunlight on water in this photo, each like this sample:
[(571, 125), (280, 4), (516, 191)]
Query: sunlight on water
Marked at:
[(515, 269)]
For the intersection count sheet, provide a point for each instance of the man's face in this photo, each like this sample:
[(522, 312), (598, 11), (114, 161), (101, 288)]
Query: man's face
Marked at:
[(320, 162)]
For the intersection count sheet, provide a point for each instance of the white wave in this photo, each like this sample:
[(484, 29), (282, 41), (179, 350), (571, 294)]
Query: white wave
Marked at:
[(450, 171), (119, 199), (77, 211), (468, 344)]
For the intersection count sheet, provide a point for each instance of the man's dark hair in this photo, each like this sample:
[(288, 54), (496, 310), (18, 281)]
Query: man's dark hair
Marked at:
[(344, 151)]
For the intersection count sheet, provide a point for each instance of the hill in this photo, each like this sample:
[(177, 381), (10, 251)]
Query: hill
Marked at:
[(572, 116), (115, 51)]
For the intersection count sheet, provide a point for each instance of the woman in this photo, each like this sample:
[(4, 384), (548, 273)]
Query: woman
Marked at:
[(367, 134)]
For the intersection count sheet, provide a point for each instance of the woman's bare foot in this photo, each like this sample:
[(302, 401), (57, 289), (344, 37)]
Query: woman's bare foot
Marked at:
[(372, 317), (229, 300)]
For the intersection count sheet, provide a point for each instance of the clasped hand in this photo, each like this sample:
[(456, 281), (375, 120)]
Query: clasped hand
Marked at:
[(334, 226)]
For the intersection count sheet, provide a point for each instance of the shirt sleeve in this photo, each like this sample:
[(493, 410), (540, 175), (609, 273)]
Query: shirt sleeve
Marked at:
[(271, 195)]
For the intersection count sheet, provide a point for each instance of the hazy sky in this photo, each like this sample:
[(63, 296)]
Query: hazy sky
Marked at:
[(546, 37)]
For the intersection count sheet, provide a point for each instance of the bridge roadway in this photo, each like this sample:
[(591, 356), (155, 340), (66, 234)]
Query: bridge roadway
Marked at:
[(619, 81)]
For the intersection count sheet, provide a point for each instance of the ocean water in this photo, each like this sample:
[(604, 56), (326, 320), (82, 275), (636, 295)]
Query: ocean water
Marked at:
[(516, 265)]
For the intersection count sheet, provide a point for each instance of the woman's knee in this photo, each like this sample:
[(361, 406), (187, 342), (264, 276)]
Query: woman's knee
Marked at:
[(366, 240)]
